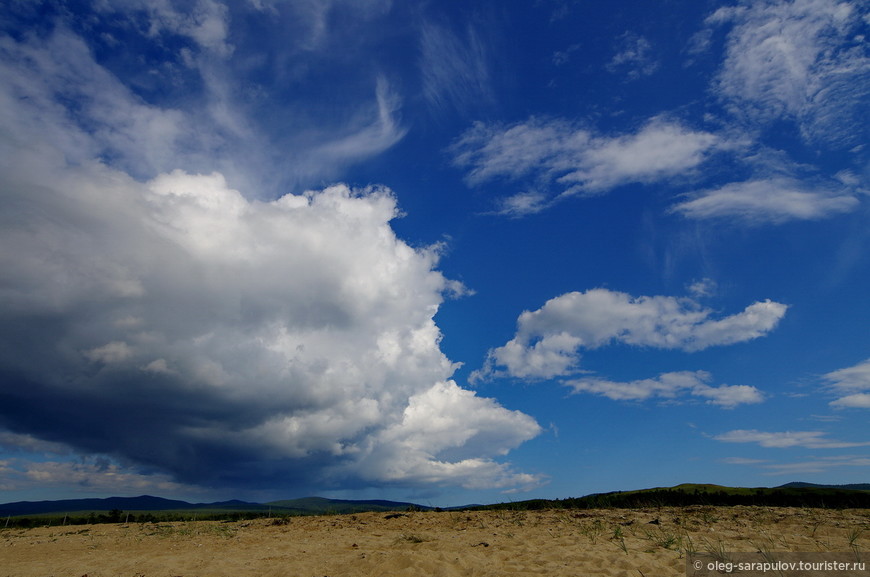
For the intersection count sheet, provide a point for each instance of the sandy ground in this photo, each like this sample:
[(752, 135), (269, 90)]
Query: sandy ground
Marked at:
[(613, 542)]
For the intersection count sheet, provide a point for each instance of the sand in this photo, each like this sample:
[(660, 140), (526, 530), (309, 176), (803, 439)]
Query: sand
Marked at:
[(610, 542)]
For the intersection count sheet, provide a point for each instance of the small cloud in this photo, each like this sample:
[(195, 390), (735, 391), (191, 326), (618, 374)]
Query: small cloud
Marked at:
[(571, 160), (672, 387), (159, 366), (700, 42), (742, 461), (705, 287), (774, 200), (549, 340), (562, 57), (634, 57), (787, 439), (110, 353), (729, 396), (812, 466), (856, 401), (853, 380), (825, 418), (523, 203)]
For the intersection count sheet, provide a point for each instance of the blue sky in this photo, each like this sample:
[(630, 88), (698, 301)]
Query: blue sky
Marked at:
[(438, 251)]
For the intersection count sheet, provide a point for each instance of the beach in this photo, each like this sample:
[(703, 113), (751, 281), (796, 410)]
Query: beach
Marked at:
[(611, 542)]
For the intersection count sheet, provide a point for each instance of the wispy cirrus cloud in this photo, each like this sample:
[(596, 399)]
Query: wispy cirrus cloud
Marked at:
[(807, 466), (383, 131), (206, 22), (454, 69), (800, 62), (811, 440), (549, 340), (766, 200), (853, 383), (787, 439), (201, 116), (822, 465), (803, 60), (564, 159), (671, 387)]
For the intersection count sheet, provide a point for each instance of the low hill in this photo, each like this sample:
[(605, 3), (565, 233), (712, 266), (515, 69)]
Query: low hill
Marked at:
[(147, 503), (835, 497), (143, 503), (849, 487)]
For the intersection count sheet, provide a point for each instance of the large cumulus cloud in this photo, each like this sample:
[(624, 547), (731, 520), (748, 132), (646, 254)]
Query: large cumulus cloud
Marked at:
[(174, 323)]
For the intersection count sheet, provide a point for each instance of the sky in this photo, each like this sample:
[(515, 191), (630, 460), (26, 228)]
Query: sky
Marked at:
[(446, 252)]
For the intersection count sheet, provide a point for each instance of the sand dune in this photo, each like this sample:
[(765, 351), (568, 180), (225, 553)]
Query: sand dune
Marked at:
[(612, 542)]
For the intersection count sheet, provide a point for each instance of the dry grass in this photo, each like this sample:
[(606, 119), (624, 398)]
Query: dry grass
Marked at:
[(610, 542)]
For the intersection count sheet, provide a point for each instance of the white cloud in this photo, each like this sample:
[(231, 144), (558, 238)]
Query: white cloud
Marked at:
[(523, 203), (431, 443), (803, 59), (575, 160), (788, 439), (548, 341), (670, 386), (773, 200), (855, 401), (729, 396), (854, 380), (107, 120), (659, 150), (291, 339)]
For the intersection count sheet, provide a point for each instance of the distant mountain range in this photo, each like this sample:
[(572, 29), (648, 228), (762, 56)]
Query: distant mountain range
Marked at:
[(796, 493), (145, 503)]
